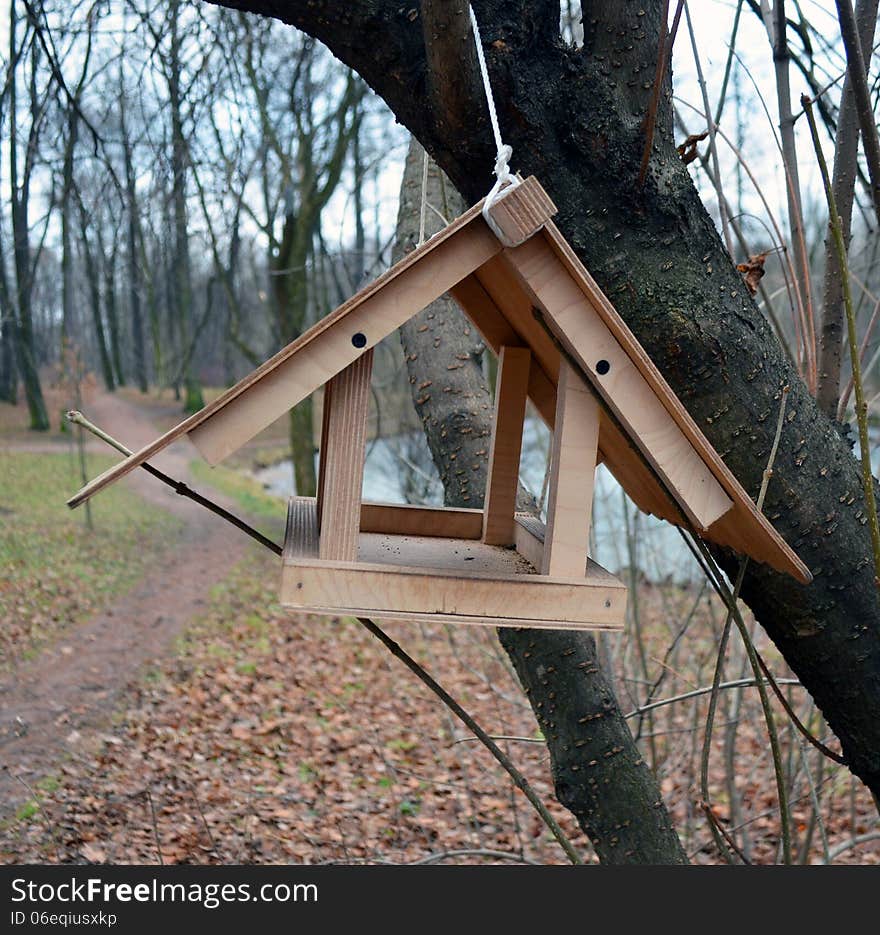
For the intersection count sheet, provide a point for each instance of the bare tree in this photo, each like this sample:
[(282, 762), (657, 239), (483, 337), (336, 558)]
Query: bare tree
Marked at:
[(21, 175), (303, 154), (846, 152)]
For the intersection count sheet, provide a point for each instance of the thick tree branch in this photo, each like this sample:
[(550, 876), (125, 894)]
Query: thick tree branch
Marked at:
[(453, 78)]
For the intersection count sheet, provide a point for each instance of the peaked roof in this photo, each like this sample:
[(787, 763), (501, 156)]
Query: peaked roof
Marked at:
[(539, 295)]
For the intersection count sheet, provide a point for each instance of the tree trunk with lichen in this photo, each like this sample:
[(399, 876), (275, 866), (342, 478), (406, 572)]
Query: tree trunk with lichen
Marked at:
[(574, 118)]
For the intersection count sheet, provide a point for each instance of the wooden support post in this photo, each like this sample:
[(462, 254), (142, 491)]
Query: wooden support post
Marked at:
[(572, 474), (507, 429), (322, 461), (342, 457)]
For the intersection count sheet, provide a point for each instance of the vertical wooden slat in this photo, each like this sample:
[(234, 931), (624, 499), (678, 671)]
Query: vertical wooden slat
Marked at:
[(301, 532), (343, 460), (507, 428), (572, 474), (322, 451)]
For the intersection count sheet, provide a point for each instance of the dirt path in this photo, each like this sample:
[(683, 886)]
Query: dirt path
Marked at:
[(56, 705)]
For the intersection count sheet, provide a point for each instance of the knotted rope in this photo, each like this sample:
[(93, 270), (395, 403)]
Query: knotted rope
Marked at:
[(504, 178)]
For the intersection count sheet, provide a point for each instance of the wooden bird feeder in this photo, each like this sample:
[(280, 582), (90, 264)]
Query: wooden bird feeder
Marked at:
[(561, 344)]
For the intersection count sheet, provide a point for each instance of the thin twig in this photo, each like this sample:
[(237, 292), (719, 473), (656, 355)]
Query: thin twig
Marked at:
[(710, 125), (149, 796), (857, 69), (472, 852), (77, 418), (664, 53), (728, 66), (798, 723), (204, 818), (817, 808), (705, 690), (853, 842), (733, 614), (39, 805)]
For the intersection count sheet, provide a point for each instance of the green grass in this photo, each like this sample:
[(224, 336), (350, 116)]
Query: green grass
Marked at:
[(56, 571), (248, 493), (27, 811)]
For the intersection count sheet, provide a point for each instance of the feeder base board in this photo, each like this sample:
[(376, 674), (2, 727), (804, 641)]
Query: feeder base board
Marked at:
[(434, 579)]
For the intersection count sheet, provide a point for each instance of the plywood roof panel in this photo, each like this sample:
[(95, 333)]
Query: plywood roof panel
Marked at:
[(647, 438)]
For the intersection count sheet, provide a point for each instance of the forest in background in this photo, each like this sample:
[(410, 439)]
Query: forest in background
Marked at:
[(187, 188)]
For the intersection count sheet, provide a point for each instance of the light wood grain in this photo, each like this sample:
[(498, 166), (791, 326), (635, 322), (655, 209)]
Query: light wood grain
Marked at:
[(497, 332), (406, 519), (301, 532), (500, 297), (521, 211), (377, 316), (343, 459), (649, 423), (502, 482), (529, 533), (572, 474), (322, 463), (743, 528), (279, 383), (387, 590)]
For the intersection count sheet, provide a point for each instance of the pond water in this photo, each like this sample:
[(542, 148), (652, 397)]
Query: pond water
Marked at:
[(399, 469)]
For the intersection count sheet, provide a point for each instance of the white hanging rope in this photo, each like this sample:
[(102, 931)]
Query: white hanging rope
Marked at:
[(503, 175)]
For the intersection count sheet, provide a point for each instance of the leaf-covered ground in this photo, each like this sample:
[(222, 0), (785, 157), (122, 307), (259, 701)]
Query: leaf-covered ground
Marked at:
[(264, 738), (273, 739)]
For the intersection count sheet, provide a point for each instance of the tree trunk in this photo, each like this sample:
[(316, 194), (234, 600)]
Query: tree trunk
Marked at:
[(846, 155), (112, 313), (290, 285), (574, 119), (776, 25), (138, 339), (193, 400), (598, 771), (8, 376), (25, 353), (95, 293), (68, 323)]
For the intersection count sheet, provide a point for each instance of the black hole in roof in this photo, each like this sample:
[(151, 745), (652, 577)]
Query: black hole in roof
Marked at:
[(603, 367), (359, 339)]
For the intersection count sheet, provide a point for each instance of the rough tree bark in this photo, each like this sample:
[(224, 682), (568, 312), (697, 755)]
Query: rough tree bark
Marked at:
[(8, 376), (574, 118), (109, 265), (23, 260)]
